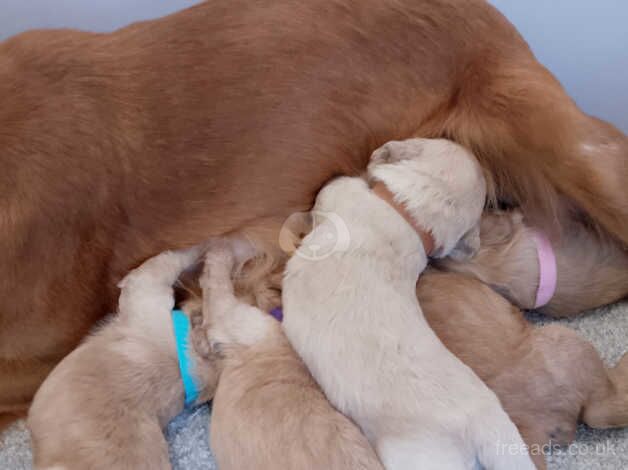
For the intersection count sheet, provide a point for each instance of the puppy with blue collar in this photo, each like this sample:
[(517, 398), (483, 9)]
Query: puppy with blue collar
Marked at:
[(106, 404)]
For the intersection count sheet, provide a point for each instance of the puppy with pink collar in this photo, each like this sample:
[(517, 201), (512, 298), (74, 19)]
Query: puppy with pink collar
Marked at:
[(353, 316), (578, 271), (547, 378)]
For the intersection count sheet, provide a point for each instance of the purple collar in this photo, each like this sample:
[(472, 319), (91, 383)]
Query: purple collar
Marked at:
[(277, 312)]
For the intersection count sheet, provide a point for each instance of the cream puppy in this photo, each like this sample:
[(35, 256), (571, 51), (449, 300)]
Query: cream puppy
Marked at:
[(352, 314), (105, 405)]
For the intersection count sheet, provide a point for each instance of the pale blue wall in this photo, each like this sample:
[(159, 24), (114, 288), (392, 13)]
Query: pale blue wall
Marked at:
[(94, 15), (584, 42)]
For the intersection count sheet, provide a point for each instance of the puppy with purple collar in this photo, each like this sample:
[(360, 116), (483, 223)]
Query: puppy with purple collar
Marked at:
[(353, 315)]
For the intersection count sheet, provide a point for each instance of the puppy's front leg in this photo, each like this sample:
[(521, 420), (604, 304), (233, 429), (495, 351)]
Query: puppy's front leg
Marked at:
[(227, 319), (218, 295), (216, 283), (148, 288)]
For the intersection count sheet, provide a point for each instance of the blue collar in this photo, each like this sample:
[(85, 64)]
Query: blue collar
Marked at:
[(181, 327)]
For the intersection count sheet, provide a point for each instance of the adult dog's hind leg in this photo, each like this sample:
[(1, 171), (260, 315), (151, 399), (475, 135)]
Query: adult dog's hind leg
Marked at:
[(543, 151)]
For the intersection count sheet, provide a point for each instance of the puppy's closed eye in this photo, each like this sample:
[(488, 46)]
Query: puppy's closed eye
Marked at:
[(468, 245)]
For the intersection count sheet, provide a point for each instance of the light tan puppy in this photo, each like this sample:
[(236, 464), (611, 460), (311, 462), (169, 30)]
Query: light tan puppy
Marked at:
[(592, 269), (352, 315), (268, 411), (105, 405), (546, 378)]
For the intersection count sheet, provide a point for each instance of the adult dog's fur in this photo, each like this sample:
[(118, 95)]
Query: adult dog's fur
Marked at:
[(231, 114), (351, 312), (546, 378), (105, 405), (268, 412), (592, 270)]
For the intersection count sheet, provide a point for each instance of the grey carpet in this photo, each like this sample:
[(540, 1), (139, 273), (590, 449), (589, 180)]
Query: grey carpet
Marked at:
[(606, 328)]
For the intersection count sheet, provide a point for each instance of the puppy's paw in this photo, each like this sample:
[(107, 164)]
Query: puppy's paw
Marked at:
[(620, 373), (619, 376), (199, 337), (562, 436), (202, 340)]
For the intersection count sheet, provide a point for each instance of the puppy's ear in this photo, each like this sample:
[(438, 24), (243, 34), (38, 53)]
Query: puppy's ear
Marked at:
[(468, 246), (294, 229), (395, 151), (381, 155)]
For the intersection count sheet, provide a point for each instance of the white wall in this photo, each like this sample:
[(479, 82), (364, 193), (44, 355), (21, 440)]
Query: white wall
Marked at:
[(584, 42)]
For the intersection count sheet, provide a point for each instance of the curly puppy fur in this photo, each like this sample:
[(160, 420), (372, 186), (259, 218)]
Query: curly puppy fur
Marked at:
[(105, 405)]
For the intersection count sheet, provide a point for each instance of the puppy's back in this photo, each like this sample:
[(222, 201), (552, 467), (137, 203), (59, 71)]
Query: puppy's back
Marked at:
[(99, 408), (296, 427)]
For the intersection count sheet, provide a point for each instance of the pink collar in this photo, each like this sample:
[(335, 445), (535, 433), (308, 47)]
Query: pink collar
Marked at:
[(547, 269)]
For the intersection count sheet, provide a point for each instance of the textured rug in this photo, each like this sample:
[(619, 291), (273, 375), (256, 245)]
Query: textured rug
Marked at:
[(606, 328)]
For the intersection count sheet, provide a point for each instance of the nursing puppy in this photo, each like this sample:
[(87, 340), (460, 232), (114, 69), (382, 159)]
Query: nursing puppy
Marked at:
[(590, 268), (547, 378), (352, 314), (239, 102), (105, 405), (268, 412)]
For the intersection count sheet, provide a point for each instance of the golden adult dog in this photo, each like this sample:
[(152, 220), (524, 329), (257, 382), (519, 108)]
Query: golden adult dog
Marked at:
[(233, 113)]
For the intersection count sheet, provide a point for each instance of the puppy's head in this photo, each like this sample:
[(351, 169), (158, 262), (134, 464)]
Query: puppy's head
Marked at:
[(441, 185), (506, 259)]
